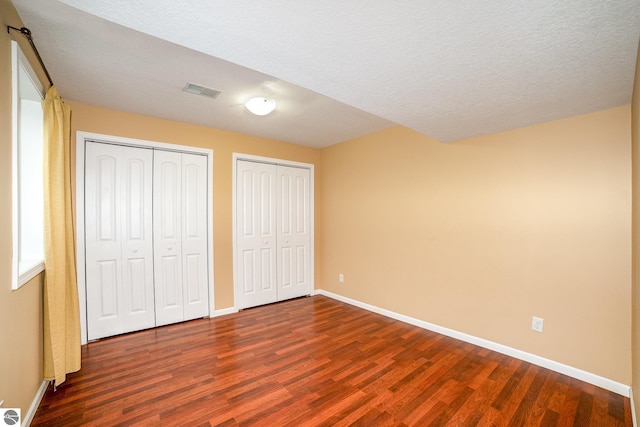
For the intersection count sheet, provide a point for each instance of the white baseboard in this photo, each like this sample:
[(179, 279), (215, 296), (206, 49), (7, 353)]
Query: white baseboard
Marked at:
[(222, 312), (28, 418), (579, 374), (633, 409)]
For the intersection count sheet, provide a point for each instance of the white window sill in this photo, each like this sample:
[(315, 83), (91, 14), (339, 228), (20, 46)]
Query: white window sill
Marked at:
[(29, 270)]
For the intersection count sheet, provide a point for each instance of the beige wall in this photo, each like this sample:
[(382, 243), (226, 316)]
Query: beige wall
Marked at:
[(482, 234), (99, 120), (20, 310), (635, 126)]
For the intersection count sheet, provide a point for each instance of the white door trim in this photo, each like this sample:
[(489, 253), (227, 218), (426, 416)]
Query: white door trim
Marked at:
[(81, 140), (261, 159)]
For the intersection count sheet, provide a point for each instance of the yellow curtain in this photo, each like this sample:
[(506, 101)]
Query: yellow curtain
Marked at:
[(61, 311)]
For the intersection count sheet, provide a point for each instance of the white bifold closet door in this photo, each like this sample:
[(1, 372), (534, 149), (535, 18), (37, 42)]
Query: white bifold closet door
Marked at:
[(292, 213), (272, 233), (119, 239), (146, 238), (256, 233), (180, 234)]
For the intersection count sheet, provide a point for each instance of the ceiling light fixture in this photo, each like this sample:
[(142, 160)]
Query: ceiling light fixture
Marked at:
[(260, 106)]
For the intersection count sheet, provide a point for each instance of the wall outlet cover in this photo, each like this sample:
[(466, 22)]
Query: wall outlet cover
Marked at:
[(537, 324)]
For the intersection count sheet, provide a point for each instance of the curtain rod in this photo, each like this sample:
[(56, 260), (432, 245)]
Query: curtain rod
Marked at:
[(27, 33)]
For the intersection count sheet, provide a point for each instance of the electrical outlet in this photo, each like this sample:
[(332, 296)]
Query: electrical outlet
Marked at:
[(341, 278), (536, 324)]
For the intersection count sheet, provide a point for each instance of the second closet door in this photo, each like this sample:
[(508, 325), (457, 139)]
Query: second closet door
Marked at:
[(180, 236), (273, 233)]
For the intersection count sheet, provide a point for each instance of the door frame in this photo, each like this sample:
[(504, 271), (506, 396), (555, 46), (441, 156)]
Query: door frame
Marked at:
[(81, 140), (273, 161)]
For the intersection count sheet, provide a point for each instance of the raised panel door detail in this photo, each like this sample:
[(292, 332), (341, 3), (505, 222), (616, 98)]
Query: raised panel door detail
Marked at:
[(136, 199), (136, 271), (108, 288), (246, 205), (285, 204), (168, 193), (266, 269), (192, 268), (247, 272), (266, 202), (105, 191), (193, 189), (301, 267), (172, 294), (285, 266), (302, 205)]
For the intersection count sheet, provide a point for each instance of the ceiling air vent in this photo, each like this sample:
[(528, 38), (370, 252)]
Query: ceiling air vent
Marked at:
[(201, 90)]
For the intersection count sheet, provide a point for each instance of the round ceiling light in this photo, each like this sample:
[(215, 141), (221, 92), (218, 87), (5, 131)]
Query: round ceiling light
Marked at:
[(260, 106)]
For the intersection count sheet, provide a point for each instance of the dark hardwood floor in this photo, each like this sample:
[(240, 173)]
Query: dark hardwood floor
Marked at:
[(311, 362)]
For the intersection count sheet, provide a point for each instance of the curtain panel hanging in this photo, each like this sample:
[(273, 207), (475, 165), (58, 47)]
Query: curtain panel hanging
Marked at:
[(61, 312)]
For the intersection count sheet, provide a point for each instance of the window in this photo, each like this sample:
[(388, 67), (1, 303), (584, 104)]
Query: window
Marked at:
[(27, 185)]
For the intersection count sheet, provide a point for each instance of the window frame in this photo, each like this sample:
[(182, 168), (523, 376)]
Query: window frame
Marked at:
[(21, 273)]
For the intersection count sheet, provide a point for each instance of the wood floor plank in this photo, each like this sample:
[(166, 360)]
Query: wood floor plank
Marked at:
[(538, 410), (526, 406), (508, 405), (315, 362)]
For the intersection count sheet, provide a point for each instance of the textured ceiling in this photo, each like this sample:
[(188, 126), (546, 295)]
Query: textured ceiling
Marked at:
[(341, 69)]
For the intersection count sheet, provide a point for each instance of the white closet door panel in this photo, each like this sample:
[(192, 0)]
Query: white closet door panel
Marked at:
[(118, 245), (137, 240), (106, 289), (136, 270), (293, 232), (194, 236), (302, 268), (256, 233), (103, 258), (167, 199)]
